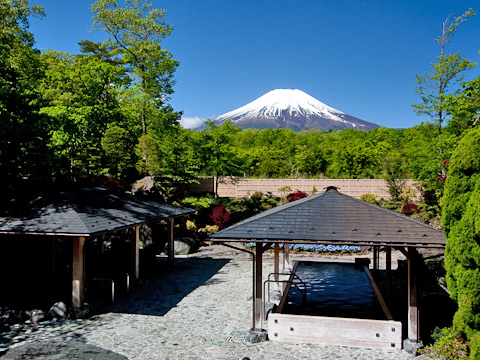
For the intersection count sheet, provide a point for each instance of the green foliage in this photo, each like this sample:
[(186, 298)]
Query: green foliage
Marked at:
[(448, 345), (464, 108), (461, 224), (434, 88), (148, 151), (79, 95), (23, 130), (136, 32), (118, 149)]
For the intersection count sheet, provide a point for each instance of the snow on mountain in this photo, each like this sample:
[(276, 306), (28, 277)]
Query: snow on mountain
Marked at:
[(292, 109)]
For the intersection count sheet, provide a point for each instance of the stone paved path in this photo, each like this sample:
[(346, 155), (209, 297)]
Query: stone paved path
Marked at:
[(201, 309)]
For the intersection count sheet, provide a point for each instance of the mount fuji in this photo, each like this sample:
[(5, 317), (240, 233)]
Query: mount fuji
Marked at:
[(292, 109)]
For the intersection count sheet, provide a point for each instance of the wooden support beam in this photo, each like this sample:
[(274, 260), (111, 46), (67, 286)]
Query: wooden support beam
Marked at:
[(258, 288), (276, 262), (388, 267), (403, 251), (413, 318), (388, 260), (135, 252), (78, 274), (171, 244), (286, 257), (375, 257)]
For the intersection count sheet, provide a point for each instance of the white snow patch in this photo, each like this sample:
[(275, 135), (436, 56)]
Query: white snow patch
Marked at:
[(273, 103)]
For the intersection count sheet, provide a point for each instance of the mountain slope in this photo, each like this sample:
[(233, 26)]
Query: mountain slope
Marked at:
[(292, 109)]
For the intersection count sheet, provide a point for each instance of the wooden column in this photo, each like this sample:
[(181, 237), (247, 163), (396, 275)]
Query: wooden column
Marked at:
[(413, 319), (388, 267), (258, 287), (171, 245), (276, 263), (375, 257), (388, 260), (78, 273), (286, 257), (135, 253)]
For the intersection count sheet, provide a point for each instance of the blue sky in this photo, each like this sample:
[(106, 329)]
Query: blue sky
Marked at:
[(359, 57)]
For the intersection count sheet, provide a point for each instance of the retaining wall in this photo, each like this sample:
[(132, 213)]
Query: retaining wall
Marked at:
[(238, 187)]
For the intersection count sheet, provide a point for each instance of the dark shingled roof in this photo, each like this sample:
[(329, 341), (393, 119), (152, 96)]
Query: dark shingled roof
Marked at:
[(88, 212), (333, 218)]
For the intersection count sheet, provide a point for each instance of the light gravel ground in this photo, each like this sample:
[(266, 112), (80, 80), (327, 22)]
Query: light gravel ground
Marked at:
[(200, 309)]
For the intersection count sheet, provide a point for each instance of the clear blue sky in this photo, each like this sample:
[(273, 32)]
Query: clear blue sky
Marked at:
[(359, 57)]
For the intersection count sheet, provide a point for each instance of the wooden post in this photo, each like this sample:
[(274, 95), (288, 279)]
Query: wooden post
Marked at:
[(135, 252), (388, 267), (388, 260), (171, 244), (258, 287), (286, 257), (276, 263), (78, 274), (413, 320), (375, 257)]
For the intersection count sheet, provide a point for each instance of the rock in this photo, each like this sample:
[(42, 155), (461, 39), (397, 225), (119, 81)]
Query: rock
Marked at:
[(37, 316), (144, 186), (183, 246), (58, 310), (72, 350)]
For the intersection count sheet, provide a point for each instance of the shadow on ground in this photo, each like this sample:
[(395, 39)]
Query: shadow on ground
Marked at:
[(158, 294)]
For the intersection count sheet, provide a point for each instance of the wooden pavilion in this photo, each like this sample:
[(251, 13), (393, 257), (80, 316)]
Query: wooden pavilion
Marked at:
[(334, 218), (81, 216)]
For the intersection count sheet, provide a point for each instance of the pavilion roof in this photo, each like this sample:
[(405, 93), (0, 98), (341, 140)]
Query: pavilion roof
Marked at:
[(86, 213), (333, 218)]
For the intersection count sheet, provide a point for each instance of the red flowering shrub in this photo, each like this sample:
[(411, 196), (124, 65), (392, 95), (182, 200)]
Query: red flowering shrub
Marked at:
[(105, 182), (297, 195), (409, 208), (220, 216)]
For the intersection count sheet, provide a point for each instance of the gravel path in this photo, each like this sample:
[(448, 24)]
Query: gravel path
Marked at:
[(200, 309)]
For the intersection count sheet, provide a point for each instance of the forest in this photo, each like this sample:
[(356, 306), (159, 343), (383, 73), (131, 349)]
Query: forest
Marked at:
[(102, 116), (67, 118)]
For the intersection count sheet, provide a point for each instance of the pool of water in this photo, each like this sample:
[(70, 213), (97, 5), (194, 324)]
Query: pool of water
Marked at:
[(333, 289)]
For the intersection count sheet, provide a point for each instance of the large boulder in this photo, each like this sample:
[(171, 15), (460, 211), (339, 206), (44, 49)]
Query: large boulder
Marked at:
[(184, 246)]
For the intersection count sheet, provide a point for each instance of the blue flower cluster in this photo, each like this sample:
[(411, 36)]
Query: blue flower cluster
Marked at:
[(317, 248)]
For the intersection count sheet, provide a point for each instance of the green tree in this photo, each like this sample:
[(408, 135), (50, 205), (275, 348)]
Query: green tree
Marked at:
[(461, 226), (219, 157), (23, 132), (80, 98), (434, 88), (118, 149), (464, 108), (136, 32)]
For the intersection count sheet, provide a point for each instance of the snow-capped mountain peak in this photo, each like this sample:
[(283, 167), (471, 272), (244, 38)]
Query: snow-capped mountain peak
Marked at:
[(292, 109)]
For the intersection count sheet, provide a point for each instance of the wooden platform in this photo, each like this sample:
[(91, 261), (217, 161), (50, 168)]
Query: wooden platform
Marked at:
[(383, 334)]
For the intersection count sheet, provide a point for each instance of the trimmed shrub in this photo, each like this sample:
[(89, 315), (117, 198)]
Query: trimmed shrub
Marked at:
[(220, 216), (297, 195), (409, 208), (461, 226)]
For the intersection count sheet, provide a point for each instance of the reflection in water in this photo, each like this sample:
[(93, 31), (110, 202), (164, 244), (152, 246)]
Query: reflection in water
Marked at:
[(333, 289)]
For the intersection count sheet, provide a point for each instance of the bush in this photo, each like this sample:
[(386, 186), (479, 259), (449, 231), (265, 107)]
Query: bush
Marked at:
[(409, 208), (461, 224), (297, 195), (448, 345), (220, 216), (370, 198)]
